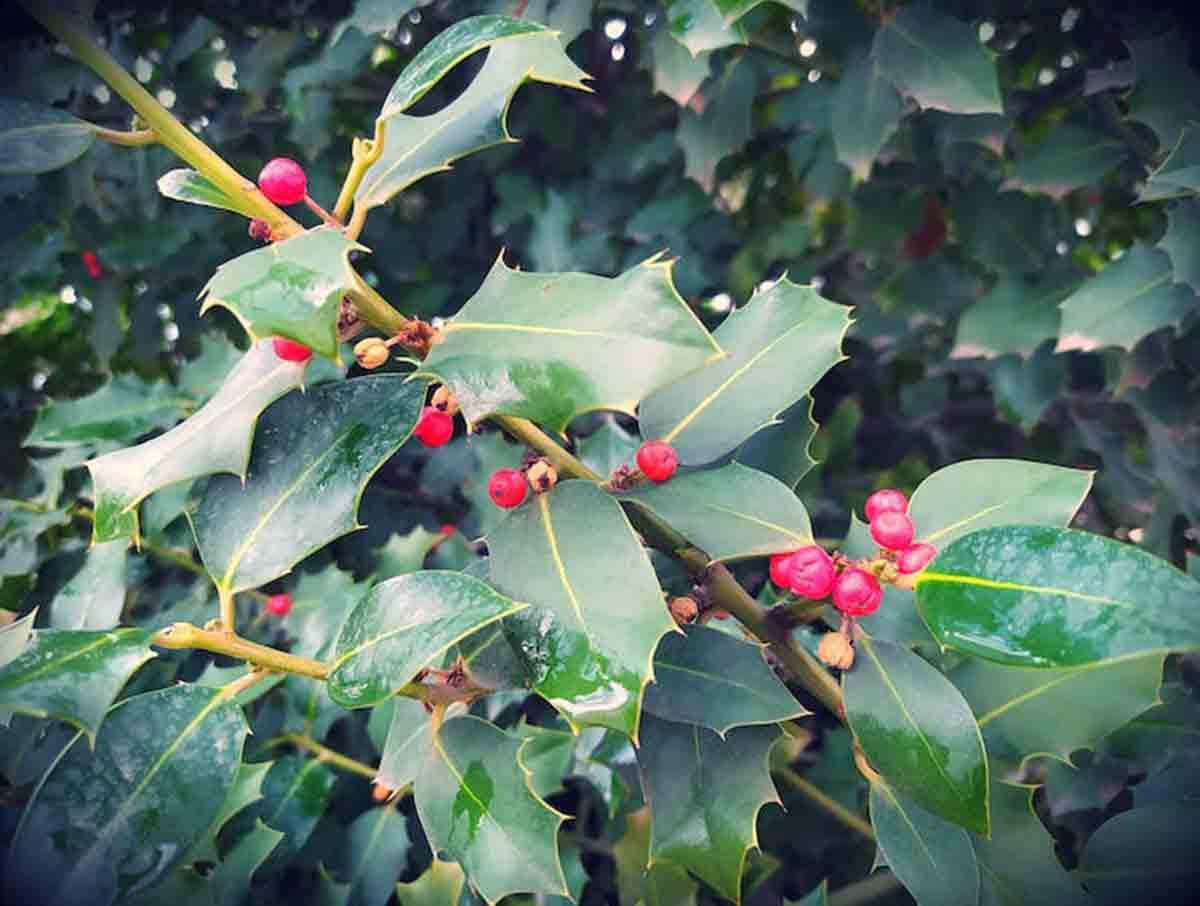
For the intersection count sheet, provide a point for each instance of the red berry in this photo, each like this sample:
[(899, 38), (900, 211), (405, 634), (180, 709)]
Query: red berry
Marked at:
[(507, 488), (857, 593), (279, 605), (889, 500), (657, 460), (915, 558), (781, 569), (91, 261), (283, 181), (291, 351), (892, 530), (434, 427), (448, 529), (812, 573)]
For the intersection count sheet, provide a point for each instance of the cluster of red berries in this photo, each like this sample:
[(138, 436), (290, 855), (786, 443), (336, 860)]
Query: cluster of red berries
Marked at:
[(892, 529)]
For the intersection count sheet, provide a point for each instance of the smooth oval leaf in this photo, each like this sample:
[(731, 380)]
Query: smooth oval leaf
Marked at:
[(589, 638), (932, 858), (918, 732), (72, 675), (549, 346), (476, 806), (730, 513), (1035, 596), (188, 185), (102, 823), (402, 625), (710, 678), (217, 438), (38, 139), (779, 345), (312, 456)]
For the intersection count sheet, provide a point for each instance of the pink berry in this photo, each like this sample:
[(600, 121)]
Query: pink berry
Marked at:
[(915, 558), (291, 351), (283, 181), (781, 569), (657, 460), (857, 593), (892, 530), (812, 573), (889, 500), (507, 488), (434, 427), (279, 605)]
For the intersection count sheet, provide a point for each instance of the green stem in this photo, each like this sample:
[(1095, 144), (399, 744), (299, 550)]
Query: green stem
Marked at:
[(325, 754), (180, 636), (531, 435), (129, 139), (839, 812), (865, 891)]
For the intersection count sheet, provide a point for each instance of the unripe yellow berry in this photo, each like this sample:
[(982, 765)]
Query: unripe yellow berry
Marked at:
[(443, 399), (371, 352)]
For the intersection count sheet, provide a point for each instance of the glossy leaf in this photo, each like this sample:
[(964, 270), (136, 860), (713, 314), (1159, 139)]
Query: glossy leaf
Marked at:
[(730, 513), (641, 882), (296, 792), (932, 858), (1024, 712), (231, 877), (918, 732), (1014, 317), (1042, 597), (94, 596), (217, 438), (404, 624), (589, 638), (548, 756), (312, 455), (188, 185), (705, 793), (703, 25), (120, 411), (710, 678), (783, 450), (291, 288), (416, 146), (246, 790), (866, 112), (1127, 300), (105, 821), (938, 61), (550, 346), (38, 139), (780, 344), (1147, 855), (1068, 158), (72, 675), (374, 855), (475, 804), (440, 885)]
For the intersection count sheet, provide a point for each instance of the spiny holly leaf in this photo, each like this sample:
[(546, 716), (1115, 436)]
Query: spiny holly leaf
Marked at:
[(1014, 317), (932, 858), (866, 112), (217, 438), (705, 793), (638, 880), (547, 755), (246, 790), (780, 344), (188, 185), (710, 678), (730, 513), (38, 139), (402, 625), (589, 650), (373, 855), (1166, 94), (120, 411), (409, 738), (549, 346), (313, 454), (161, 767), (1182, 242), (72, 675), (1026, 712), (918, 732), (1127, 300), (95, 595), (295, 793), (292, 288), (718, 123), (938, 61), (1069, 157), (1033, 596), (677, 73), (1179, 175), (476, 805), (702, 25), (783, 450), (416, 146), (440, 885)]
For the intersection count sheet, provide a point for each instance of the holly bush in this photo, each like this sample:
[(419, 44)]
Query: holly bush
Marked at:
[(445, 543)]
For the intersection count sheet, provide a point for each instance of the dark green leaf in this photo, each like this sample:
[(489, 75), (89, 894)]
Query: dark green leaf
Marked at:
[(639, 881), (549, 346), (702, 25), (918, 732), (548, 756), (95, 595), (440, 885), (677, 73), (313, 453), (120, 411), (373, 855), (705, 793), (404, 624), (710, 678), (296, 792), (404, 554), (320, 604), (106, 821), (1182, 242), (1014, 317), (1147, 855), (72, 675), (780, 344), (409, 739), (783, 450), (19, 531), (866, 111), (38, 139), (246, 790), (1166, 96), (607, 447), (1042, 597), (1068, 158), (723, 126), (188, 185), (730, 513), (231, 878), (589, 651), (476, 806)]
